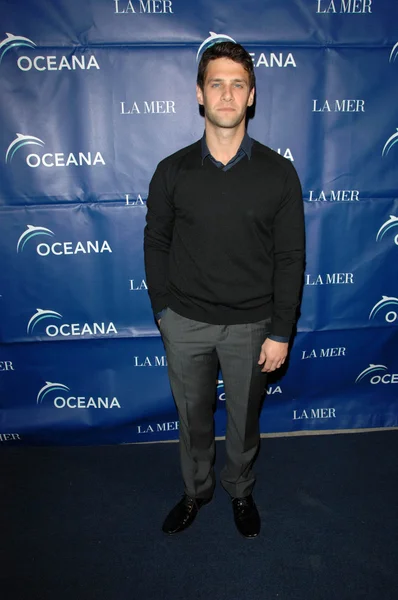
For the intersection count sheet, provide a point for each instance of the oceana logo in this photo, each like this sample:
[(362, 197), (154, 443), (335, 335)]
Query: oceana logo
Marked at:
[(388, 226), (384, 305), (49, 159), (392, 140), (39, 316), (262, 59), (214, 38), (60, 248), (46, 62), (20, 141), (393, 53), (70, 402), (50, 387), (220, 390), (377, 374), (14, 41), (30, 233), (67, 329)]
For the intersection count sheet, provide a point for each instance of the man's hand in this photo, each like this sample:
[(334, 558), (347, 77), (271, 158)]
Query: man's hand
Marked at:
[(273, 355)]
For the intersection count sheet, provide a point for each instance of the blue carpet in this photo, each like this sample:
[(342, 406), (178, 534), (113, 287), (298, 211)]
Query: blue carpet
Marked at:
[(84, 523)]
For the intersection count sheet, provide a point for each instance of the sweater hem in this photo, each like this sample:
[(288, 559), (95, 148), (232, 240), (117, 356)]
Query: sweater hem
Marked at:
[(221, 317)]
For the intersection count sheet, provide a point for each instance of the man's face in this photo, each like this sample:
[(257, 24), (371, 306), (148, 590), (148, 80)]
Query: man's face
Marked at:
[(226, 94)]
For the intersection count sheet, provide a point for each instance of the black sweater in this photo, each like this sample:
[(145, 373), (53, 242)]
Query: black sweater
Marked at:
[(226, 247)]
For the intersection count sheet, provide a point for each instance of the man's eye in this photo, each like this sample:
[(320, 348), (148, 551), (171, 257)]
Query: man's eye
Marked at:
[(215, 85)]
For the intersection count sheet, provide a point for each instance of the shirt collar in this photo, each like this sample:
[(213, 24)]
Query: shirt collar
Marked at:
[(246, 146)]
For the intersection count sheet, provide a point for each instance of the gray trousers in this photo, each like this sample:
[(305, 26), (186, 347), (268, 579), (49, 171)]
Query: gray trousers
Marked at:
[(193, 351)]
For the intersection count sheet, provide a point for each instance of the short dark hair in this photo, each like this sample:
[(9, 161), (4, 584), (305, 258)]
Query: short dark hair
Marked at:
[(230, 50)]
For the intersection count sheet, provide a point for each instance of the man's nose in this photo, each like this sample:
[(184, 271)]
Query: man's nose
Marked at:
[(227, 93)]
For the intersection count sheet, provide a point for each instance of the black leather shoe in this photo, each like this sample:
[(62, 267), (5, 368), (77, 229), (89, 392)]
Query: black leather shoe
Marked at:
[(183, 514), (247, 519)]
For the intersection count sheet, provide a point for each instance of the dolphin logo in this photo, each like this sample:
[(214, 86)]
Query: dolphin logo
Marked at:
[(393, 53), (385, 301), (12, 41), (32, 232), (392, 222), (22, 140), (39, 316), (50, 387), (371, 369), (220, 390), (390, 143), (214, 38)]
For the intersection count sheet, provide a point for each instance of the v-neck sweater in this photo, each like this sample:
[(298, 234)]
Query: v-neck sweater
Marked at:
[(226, 247)]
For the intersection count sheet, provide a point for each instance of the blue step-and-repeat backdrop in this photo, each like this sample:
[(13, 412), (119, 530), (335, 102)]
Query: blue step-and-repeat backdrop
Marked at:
[(93, 96)]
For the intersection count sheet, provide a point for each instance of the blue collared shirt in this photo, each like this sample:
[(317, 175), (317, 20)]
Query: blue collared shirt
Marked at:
[(245, 149)]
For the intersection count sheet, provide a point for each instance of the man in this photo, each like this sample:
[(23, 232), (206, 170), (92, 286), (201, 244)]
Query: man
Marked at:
[(224, 250)]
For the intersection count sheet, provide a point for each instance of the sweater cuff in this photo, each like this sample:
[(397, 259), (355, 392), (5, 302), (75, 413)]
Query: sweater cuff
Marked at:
[(160, 314), (279, 338), (280, 328)]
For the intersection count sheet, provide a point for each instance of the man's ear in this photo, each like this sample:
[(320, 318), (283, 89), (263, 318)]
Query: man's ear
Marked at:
[(251, 97), (199, 95)]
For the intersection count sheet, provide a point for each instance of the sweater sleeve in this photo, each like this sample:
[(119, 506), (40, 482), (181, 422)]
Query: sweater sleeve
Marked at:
[(288, 255), (157, 238)]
